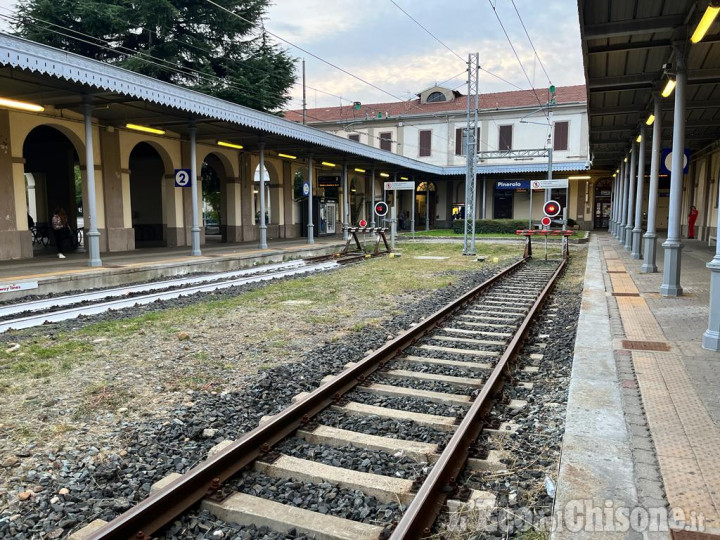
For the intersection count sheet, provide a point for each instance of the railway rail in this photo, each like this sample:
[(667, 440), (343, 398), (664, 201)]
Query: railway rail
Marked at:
[(22, 315), (469, 347)]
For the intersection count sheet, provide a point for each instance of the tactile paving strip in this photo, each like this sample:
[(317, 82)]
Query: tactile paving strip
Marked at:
[(686, 440)]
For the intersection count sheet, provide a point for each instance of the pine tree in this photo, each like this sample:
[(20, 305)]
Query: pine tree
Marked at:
[(191, 43)]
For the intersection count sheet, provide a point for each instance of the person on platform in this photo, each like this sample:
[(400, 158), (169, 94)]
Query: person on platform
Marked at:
[(692, 217), (59, 224)]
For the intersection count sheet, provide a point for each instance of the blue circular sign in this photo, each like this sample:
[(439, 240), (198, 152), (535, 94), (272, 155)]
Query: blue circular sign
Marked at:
[(306, 189)]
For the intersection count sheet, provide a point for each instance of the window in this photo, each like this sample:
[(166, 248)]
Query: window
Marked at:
[(386, 141), (561, 136), (435, 97), (460, 143), (505, 138), (425, 143), (355, 137)]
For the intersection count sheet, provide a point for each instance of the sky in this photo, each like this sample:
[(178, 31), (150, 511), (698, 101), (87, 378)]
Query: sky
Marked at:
[(375, 41)]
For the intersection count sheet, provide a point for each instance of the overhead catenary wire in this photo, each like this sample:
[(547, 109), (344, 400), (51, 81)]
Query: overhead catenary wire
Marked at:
[(507, 36), (531, 42), (298, 47), (428, 31)]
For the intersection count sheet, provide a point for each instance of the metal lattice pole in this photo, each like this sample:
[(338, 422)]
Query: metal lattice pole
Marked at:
[(470, 153)]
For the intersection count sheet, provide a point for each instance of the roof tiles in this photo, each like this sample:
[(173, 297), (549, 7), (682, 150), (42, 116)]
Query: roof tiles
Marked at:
[(499, 100)]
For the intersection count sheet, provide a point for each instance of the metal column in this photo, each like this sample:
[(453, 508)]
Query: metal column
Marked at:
[(711, 337), (671, 271), (372, 195), (471, 154), (93, 234), (263, 224), (631, 196), (649, 266), (637, 230), (346, 204), (412, 210), (195, 230), (311, 227), (623, 203)]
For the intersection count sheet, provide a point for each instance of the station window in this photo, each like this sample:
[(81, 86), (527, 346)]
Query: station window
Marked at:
[(436, 97), (425, 143), (506, 133), (460, 143), (354, 137), (561, 136), (386, 141)]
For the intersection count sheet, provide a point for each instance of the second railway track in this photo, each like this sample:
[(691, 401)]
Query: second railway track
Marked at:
[(438, 380)]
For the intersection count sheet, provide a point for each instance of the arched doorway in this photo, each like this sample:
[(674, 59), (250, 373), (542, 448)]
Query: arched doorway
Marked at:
[(426, 203), (52, 180), (146, 196), (214, 205), (601, 213)]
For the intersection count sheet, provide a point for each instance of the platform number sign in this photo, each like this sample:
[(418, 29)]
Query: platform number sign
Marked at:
[(381, 208), (551, 208), (182, 178)]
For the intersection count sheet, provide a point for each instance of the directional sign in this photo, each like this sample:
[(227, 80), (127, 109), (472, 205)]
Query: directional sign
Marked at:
[(552, 208), (399, 185), (381, 208), (182, 178), (549, 184)]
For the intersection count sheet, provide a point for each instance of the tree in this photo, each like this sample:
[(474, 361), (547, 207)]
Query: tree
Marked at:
[(191, 43)]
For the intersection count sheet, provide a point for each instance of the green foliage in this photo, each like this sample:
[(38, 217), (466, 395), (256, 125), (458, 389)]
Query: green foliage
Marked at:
[(297, 185), (211, 191), (187, 42), (498, 226)]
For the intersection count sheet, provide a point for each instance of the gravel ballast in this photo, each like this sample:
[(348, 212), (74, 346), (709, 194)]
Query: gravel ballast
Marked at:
[(100, 467)]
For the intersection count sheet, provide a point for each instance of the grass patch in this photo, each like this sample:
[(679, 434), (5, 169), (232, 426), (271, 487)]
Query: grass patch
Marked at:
[(39, 359), (101, 396), (452, 234)]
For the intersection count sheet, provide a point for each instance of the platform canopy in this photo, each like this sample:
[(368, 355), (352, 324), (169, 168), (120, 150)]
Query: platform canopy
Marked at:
[(50, 77), (628, 53)]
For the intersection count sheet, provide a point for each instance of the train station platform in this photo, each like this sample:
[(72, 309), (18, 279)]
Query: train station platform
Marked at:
[(46, 273), (643, 421)]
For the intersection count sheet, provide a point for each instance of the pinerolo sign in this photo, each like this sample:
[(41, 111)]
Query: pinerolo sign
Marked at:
[(512, 184)]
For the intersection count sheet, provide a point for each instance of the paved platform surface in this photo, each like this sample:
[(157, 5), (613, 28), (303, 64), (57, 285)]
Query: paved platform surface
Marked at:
[(54, 275), (643, 421)]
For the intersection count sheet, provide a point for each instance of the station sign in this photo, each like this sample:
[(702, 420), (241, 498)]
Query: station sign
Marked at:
[(14, 287), (328, 181), (561, 183), (183, 178), (666, 161), (512, 184), (399, 185), (306, 189)]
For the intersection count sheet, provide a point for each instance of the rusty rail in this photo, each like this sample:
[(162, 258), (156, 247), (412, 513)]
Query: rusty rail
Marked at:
[(206, 478), (422, 512)]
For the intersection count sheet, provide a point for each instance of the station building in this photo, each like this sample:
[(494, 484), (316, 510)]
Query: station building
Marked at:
[(431, 127)]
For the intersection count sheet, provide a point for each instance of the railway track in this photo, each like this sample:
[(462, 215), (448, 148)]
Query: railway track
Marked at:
[(456, 360), (22, 315)]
